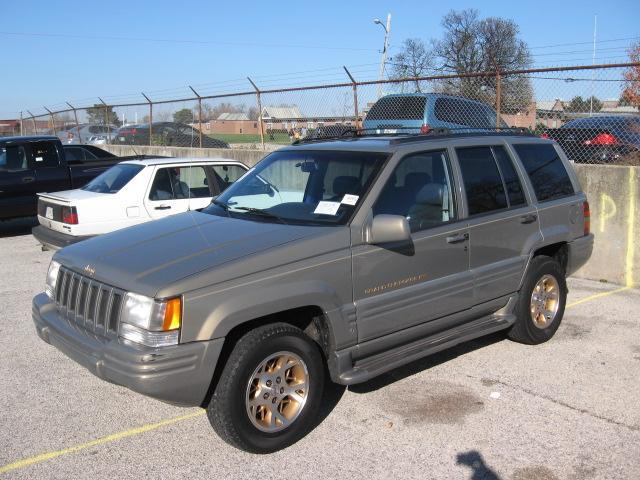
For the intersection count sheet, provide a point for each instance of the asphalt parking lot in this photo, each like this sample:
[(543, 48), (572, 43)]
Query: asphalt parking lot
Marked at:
[(489, 409)]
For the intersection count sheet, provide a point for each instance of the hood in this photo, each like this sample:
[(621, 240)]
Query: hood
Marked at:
[(72, 196), (147, 257)]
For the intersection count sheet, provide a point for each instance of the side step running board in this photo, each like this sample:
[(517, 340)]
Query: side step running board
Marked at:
[(375, 365)]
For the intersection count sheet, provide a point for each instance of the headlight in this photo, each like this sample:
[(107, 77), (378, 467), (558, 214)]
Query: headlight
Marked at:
[(151, 322), (52, 278)]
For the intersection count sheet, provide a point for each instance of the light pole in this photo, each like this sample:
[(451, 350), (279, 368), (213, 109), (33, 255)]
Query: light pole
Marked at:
[(383, 60)]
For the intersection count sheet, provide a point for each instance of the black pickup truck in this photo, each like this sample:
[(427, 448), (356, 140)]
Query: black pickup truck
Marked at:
[(29, 165)]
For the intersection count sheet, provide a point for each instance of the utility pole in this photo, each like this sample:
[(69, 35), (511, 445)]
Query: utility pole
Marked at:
[(593, 62), (383, 59)]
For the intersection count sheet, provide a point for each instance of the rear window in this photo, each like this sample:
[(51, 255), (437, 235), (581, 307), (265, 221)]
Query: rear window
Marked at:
[(113, 179), (548, 175), (398, 108)]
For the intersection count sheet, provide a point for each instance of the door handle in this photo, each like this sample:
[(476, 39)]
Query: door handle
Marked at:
[(163, 207), (457, 238), (28, 179), (528, 218)]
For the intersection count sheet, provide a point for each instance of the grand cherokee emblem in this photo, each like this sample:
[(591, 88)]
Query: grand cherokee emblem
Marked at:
[(89, 270)]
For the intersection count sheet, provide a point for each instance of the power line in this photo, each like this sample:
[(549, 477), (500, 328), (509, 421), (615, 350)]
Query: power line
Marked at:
[(183, 41)]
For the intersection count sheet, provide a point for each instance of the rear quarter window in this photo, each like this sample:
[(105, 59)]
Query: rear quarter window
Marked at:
[(546, 171)]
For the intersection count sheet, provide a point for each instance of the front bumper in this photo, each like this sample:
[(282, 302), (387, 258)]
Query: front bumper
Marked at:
[(580, 251), (179, 374), (55, 240)]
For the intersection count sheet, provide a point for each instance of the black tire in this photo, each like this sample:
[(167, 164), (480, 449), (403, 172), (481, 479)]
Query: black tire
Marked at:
[(227, 410), (525, 330)]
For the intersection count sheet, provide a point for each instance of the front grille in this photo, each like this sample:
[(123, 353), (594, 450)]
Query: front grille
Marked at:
[(91, 306)]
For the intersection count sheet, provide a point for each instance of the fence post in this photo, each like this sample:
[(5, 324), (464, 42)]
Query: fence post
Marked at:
[(106, 117), (199, 113), (498, 97), (53, 120), (21, 125), (33, 119), (355, 97), (75, 116), (150, 118), (260, 110)]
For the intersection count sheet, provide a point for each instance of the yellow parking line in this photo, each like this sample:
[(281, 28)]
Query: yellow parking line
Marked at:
[(99, 441), (596, 295), (43, 457)]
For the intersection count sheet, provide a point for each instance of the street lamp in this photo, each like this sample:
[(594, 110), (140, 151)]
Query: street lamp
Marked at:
[(383, 60)]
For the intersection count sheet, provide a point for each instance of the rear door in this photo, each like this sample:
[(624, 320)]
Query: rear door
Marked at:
[(503, 222), (51, 175), (17, 182)]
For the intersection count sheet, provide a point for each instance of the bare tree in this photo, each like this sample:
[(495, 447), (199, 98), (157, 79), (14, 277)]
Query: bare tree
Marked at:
[(415, 60), (471, 44)]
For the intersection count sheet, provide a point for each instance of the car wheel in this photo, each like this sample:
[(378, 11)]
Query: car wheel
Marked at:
[(269, 391), (541, 302)]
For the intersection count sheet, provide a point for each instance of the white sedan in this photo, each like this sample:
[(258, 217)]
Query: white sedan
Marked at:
[(129, 193)]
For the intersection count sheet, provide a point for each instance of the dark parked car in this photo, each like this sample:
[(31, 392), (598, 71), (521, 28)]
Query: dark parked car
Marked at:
[(166, 133), (598, 139)]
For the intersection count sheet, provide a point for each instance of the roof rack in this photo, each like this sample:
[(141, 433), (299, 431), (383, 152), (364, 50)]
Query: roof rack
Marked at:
[(410, 134)]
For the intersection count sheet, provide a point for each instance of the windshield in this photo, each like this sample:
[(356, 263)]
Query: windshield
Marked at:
[(301, 187), (113, 179)]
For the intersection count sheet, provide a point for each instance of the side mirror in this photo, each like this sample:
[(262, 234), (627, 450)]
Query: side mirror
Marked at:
[(389, 228)]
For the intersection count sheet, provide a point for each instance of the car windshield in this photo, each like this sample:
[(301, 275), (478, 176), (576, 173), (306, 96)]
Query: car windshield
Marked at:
[(113, 179), (301, 187)]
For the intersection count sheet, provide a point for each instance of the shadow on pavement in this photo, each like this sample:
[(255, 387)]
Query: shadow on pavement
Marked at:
[(17, 227), (426, 363), (480, 471)]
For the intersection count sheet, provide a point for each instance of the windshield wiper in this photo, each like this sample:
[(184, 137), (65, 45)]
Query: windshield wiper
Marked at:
[(261, 212), (222, 205)]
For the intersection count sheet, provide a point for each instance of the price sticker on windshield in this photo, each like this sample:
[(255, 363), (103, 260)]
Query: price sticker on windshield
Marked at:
[(349, 199), (327, 208), (49, 213)]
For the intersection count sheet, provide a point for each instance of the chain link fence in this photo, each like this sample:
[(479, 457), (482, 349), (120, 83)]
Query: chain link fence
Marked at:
[(582, 108)]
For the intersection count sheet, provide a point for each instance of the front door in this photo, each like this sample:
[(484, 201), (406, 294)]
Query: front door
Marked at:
[(400, 286)]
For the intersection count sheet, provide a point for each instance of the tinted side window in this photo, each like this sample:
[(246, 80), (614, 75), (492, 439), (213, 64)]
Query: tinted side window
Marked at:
[(74, 154), (510, 177), (419, 189), (482, 181), (408, 107), (12, 158), (469, 114), (545, 169), (45, 154)]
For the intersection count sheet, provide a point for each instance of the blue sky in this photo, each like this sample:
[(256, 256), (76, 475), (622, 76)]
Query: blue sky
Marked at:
[(59, 51)]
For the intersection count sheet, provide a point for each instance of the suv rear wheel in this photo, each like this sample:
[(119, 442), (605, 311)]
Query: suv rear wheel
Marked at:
[(541, 302), (269, 391)]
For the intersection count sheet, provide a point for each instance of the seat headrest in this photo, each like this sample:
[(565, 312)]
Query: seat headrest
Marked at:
[(431, 194), (345, 184)]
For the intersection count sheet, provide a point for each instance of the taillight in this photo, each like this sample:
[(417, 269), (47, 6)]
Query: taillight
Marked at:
[(602, 139), (424, 129), (544, 135), (69, 215), (587, 217)]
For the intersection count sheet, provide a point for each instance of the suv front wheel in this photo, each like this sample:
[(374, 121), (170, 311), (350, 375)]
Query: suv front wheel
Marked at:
[(269, 390), (541, 302)]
